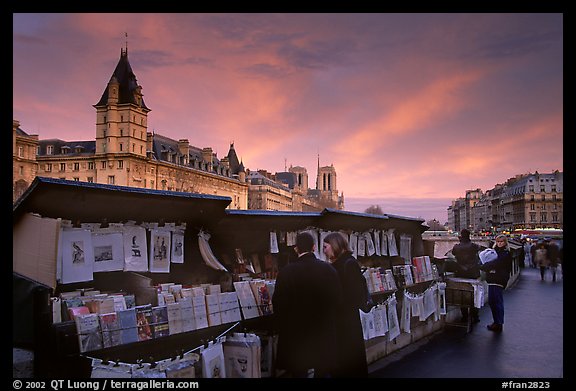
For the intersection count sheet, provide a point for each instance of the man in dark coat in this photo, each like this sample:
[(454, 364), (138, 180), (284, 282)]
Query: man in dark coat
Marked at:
[(466, 254), (305, 302)]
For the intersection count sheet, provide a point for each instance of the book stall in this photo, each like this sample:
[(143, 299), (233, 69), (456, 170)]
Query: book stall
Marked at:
[(147, 283)]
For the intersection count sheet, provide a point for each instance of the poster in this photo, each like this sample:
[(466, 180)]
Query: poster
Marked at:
[(135, 249), (76, 256)]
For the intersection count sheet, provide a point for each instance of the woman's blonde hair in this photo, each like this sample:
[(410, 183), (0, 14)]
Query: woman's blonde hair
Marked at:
[(501, 236), (338, 242)]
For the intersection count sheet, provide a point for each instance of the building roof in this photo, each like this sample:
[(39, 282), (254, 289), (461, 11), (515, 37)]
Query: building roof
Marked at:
[(124, 75), (74, 148)]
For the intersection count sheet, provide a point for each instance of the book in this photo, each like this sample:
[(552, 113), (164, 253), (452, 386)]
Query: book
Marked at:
[(262, 296), (128, 325), (89, 332), (110, 327), (160, 327), (213, 309), (247, 301), (200, 315), (75, 311), (143, 321), (187, 314), (174, 318)]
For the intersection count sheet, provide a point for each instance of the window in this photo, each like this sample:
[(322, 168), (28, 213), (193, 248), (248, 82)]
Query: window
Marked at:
[(21, 170), (120, 164), (62, 166), (553, 188), (48, 167), (532, 197), (103, 165), (77, 179), (121, 148), (543, 217), (542, 187), (90, 165), (532, 207), (110, 179), (50, 150), (533, 217), (553, 197), (531, 188), (90, 179), (21, 151), (555, 217), (543, 197), (76, 166)]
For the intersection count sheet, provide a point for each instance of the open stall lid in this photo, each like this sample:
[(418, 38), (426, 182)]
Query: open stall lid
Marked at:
[(92, 202)]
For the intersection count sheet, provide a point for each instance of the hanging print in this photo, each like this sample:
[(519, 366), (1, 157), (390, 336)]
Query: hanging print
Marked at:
[(177, 247), (77, 256), (135, 249), (159, 251), (108, 252)]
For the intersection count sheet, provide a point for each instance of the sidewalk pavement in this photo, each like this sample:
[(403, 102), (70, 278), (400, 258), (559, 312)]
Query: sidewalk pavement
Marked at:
[(531, 345)]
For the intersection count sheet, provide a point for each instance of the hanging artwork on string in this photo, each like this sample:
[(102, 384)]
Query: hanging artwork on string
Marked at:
[(274, 243), (384, 244), (370, 248), (108, 252), (392, 249), (177, 253), (377, 246), (76, 256), (393, 324), (159, 251), (442, 297), (353, 243), (213, 361), (406, 247), (135, 249)]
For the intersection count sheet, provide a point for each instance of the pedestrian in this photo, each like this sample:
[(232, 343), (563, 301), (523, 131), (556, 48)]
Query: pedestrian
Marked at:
[(527, 254), (468, 266), (553, 255), (497, 275), (351, 348), (540, 257), (306, 301)]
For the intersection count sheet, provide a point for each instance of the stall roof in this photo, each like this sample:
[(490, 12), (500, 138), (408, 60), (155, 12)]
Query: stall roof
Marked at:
[(264, 219), (330, 219), (92, 202)]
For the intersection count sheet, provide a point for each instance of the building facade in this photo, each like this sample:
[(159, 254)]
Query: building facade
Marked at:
[(125, 153), (528, 201), (24, 165)]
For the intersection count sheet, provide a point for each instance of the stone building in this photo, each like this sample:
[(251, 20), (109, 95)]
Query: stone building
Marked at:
[(24, 165), (527, 201), (125, 153)]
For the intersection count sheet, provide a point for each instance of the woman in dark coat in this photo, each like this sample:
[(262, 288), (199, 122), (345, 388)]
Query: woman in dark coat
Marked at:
[(351, 349), (497, 275)]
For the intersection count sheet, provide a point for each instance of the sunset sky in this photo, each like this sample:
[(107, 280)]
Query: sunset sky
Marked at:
[(411, 109)]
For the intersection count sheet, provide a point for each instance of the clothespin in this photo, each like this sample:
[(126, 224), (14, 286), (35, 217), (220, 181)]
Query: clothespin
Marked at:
[(152, 362), (104, 223)]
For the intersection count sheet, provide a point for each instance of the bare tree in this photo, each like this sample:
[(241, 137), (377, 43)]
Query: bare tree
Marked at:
[(374, 210)]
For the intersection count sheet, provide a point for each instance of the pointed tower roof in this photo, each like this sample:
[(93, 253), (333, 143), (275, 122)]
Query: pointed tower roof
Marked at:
[(126, 79), (235, 165)]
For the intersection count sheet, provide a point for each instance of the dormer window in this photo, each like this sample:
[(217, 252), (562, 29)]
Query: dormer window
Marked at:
[(50, 150), (64, 150)]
